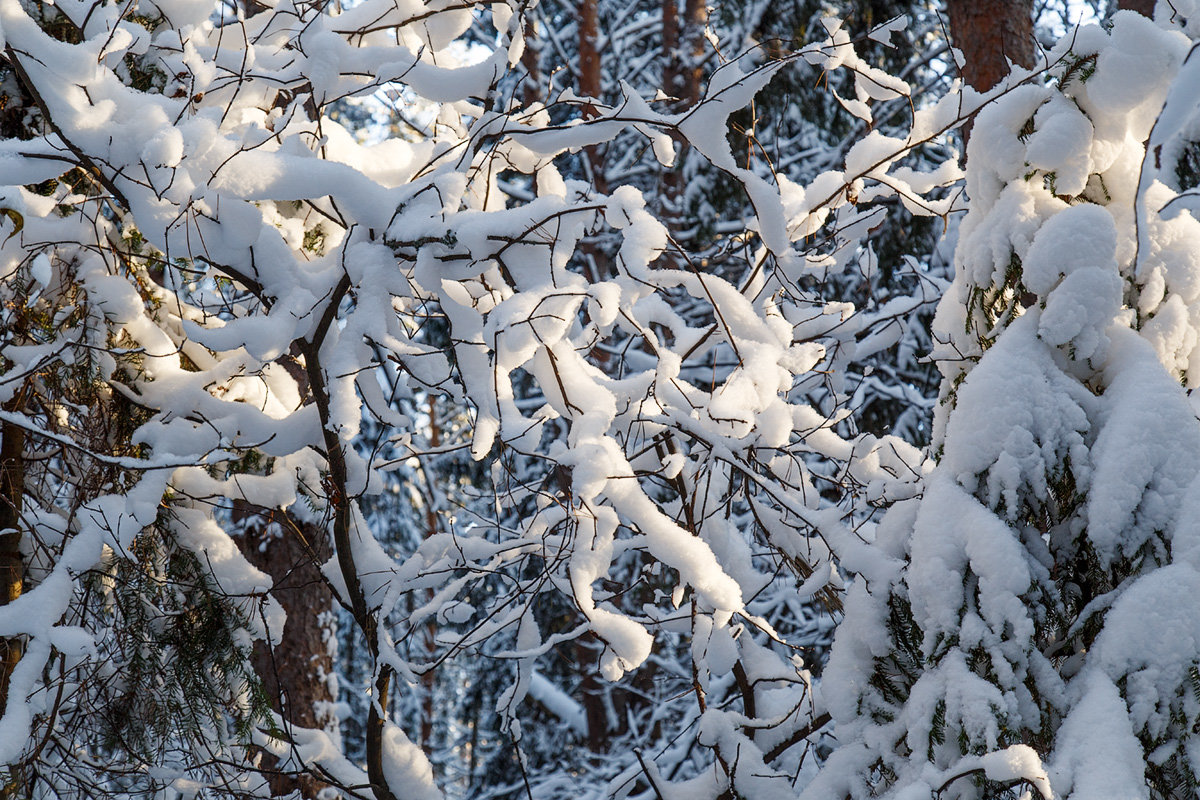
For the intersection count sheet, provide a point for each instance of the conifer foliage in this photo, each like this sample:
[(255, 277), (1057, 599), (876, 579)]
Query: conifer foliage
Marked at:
[(1015, 627)]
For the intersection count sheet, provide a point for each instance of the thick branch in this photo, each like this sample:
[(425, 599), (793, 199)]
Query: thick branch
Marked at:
[(84, 160)]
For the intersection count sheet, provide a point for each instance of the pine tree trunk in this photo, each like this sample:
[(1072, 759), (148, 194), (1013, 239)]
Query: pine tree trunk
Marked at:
[(531, 60), (12, 568), (672, 180), (670, 48), (591, 83), (990, 34), (683, 60), (1144, 7), (294, 672), (683, 50), (695, 20), (13, 119), (429, 632), (591, 694)]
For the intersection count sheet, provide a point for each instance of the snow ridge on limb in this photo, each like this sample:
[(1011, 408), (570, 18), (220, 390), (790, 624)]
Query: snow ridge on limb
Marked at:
[(1024, 610)]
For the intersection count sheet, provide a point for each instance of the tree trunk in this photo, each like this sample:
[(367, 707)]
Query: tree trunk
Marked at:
[(695, 20), (1144, 7), (591, 83), (12, 568), (295, 672), (591, 693), (683, 50), (990, 34), (13, 125), (531, 60), (429, 631), (683, 69), (670, 48)]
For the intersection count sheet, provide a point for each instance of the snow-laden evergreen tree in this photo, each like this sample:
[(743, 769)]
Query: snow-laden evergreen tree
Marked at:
[(1025, 626)]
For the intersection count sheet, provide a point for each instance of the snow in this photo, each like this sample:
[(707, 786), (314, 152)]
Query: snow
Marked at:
[(17, 720), (1008, 438), (1018, 762), (1080, 309), (1068, 446), (408, 773), (1079, 237), (1097, 754), (1127, 84), (1140, 482), (559, 703), (1061, 144)]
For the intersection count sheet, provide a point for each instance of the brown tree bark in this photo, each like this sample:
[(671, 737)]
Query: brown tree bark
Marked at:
[(695, 20), (670, 48), (683, 70), (1144, 7), (683, 50), (990, 34), (294, 671), (13, 125), (591, 693), (429, 633), (12, 567), (531, 60), (591, 83)]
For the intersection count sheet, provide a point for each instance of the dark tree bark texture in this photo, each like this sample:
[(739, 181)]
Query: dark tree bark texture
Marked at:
[(990, 34), (591, 83), (292, 672), (531, 60), (12, 568), (1145, 7)]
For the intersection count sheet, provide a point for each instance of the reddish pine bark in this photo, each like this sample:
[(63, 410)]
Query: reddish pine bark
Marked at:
[(12, 568), (591, 83), (683, 70), (990, 33), (591, 693), (695, 19), (292, 671), (531, 61), (670, 48), (1144, 7), (429, 633)]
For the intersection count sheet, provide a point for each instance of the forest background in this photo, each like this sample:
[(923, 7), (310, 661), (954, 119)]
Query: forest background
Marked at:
[(593, 399)]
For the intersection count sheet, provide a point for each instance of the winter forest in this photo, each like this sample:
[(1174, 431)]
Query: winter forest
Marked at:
[(600, 399)]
